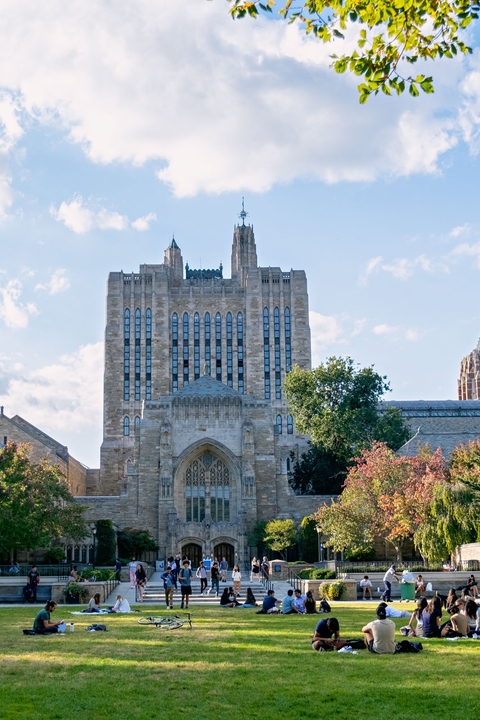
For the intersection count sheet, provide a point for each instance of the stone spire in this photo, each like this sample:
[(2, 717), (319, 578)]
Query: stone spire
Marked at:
[(244, 251), (174, 260)]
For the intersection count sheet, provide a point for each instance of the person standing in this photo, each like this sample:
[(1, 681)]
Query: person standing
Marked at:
[(387, 581), (185, 578), (132, 567), (174, 567), (255, 570), (215, 579), (266, 567), (223, 569), (236, 579), (33, 581), (169, 587), (118, 569), (202, 575), (141, 578)]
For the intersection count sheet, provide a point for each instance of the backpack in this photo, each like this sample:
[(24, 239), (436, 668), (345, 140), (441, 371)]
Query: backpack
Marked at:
[(97, 626), (325, 607), (27, 592)]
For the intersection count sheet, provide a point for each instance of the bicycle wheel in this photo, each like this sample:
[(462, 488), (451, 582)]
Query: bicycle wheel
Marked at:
[(150, 620)]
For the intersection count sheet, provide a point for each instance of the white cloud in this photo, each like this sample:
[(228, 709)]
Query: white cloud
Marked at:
[(325, 330), (143, 223), (58, 283), (10, 133), (220, 106), (468, 250), (397, 332), (14, 313), (76, 216), (403, 268), (460, 230), (64, 396)]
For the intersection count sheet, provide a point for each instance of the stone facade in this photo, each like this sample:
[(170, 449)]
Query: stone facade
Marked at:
[(197, 433), (469, 381), (42, 446)]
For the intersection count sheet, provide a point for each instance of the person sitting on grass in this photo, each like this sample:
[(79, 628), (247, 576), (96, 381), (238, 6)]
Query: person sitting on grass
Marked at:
[(299, 600), (94, 604), (431, 619), (471, 609), (288, 604), (366, 585), (270, 604), (310, 604), (394, 613), (228, 599), (417, 618), (42, 625), (250, 601), (451, 598), (456, 625), (121, 605), (327, 635), (380, 634)]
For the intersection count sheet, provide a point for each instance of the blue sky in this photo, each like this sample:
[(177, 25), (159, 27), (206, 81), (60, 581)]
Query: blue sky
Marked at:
[(116, 130)]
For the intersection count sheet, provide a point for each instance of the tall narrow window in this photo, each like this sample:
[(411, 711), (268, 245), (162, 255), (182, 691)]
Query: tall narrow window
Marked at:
[(288, 343), (196, 346), (219, 492), (185, 349), (266, 352), (148, 354), (218, 346), (241, 385), (174, 352), (208, 348), (137, 352), (279, 424), (126, 355), (126, 426), (137, 420), (229, 351), (195, 492), (276, 329), (289, 424)]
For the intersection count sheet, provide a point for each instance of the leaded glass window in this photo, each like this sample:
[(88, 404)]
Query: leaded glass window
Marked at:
[(279, 424), (126, 426), (288, 341), (185, 349), (137, 352), (174, 352), (276, 330), (126, 355), (266, 352), (208, 349), (218, 346), (196, 346), (241, 384), (148, 354), (229, 351), (289, 425)]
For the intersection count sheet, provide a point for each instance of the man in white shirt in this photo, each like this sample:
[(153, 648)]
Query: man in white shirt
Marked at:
[(387, 581), (380, 634)]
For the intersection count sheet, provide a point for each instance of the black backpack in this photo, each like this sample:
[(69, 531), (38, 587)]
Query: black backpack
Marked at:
[(325, 607), (27, 592), (97, 626)]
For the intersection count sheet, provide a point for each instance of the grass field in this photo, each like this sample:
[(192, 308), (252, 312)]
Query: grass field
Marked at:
[(232, 664)]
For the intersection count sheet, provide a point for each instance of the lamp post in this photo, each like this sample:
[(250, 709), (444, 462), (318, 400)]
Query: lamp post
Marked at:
[(320, 544), (94, 533)]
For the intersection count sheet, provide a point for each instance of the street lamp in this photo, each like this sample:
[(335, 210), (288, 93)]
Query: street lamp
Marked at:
[(94, 533), (320, 544)]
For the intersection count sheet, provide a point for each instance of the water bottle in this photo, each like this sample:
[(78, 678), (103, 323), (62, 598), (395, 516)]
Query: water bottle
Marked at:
[(378, 589), (72, 627)]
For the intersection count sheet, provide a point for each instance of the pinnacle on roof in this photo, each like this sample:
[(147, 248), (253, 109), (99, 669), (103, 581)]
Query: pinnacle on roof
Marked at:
[(173, 244)]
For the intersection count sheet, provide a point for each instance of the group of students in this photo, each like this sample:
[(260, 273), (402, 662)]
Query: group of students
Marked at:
[(294, 603), (463, 620)]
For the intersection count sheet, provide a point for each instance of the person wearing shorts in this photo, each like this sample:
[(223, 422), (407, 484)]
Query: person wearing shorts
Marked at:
[(185, 578)]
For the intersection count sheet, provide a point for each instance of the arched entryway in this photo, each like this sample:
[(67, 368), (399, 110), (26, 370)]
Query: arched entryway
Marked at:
[(193, 552), (227, 551)]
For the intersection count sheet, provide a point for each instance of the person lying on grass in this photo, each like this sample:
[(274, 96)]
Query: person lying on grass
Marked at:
[(394, 613), (327, 635), (42, 623), (380, 634)]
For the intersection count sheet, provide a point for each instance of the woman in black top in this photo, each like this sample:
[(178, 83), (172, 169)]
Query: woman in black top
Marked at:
[(141, 580), (310, 604)]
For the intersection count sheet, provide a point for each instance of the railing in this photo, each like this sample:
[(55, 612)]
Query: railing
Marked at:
[(382, 566), (294, 580), (266, 582)]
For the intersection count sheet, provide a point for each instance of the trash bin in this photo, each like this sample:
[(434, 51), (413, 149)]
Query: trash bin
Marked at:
[(407, 590)]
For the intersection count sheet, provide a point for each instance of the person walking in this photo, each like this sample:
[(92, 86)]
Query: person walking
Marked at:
[(141, 579), (255, 570), (266, 567), (236, 579), (223, 569), (215, 580), (202, 575), (132, 568), (33, 580), (118, 569), (387, 581), (168, 578), (185, 579)]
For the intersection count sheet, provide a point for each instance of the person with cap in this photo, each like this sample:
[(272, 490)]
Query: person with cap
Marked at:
[(387, 581), (380, 634)]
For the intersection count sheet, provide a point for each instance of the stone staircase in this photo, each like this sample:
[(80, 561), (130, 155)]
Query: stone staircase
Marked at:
[(154, 592)]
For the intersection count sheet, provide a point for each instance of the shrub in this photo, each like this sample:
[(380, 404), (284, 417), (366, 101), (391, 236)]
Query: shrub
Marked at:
[(99, 574), (105, 550), (54, 555), (333, 591), (317, 574), (73, 589)]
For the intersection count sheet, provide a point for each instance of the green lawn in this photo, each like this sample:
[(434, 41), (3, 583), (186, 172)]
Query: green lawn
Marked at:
[(232, 664)]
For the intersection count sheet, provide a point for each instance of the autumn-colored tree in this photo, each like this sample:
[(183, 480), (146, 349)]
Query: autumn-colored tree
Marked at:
[(386, 496)]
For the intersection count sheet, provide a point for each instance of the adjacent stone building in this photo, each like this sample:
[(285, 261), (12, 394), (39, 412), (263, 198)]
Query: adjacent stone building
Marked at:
[(469, 381)]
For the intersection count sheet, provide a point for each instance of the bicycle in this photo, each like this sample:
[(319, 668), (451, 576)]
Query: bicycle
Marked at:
[(166, 623)]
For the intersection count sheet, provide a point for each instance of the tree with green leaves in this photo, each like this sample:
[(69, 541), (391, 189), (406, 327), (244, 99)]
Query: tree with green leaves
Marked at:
[(308, 539), (134, 543), (338, 405), (280, 535), (392, 35), (257, 536), (36, 507), (105, 544)]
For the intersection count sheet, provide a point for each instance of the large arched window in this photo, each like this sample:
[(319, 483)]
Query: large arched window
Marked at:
[(126, 355), (196, 346), (241, 385), (266, 352), (138, 331), (185, 349), (276, 330), (195, 492), (218, 346), (219, 491), (208, 347), (148, 354), (229, 351), (126, 426), (174, 352), (288, 341)]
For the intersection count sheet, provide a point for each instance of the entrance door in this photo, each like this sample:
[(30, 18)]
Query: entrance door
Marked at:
[(227, 551), (193, 552)]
